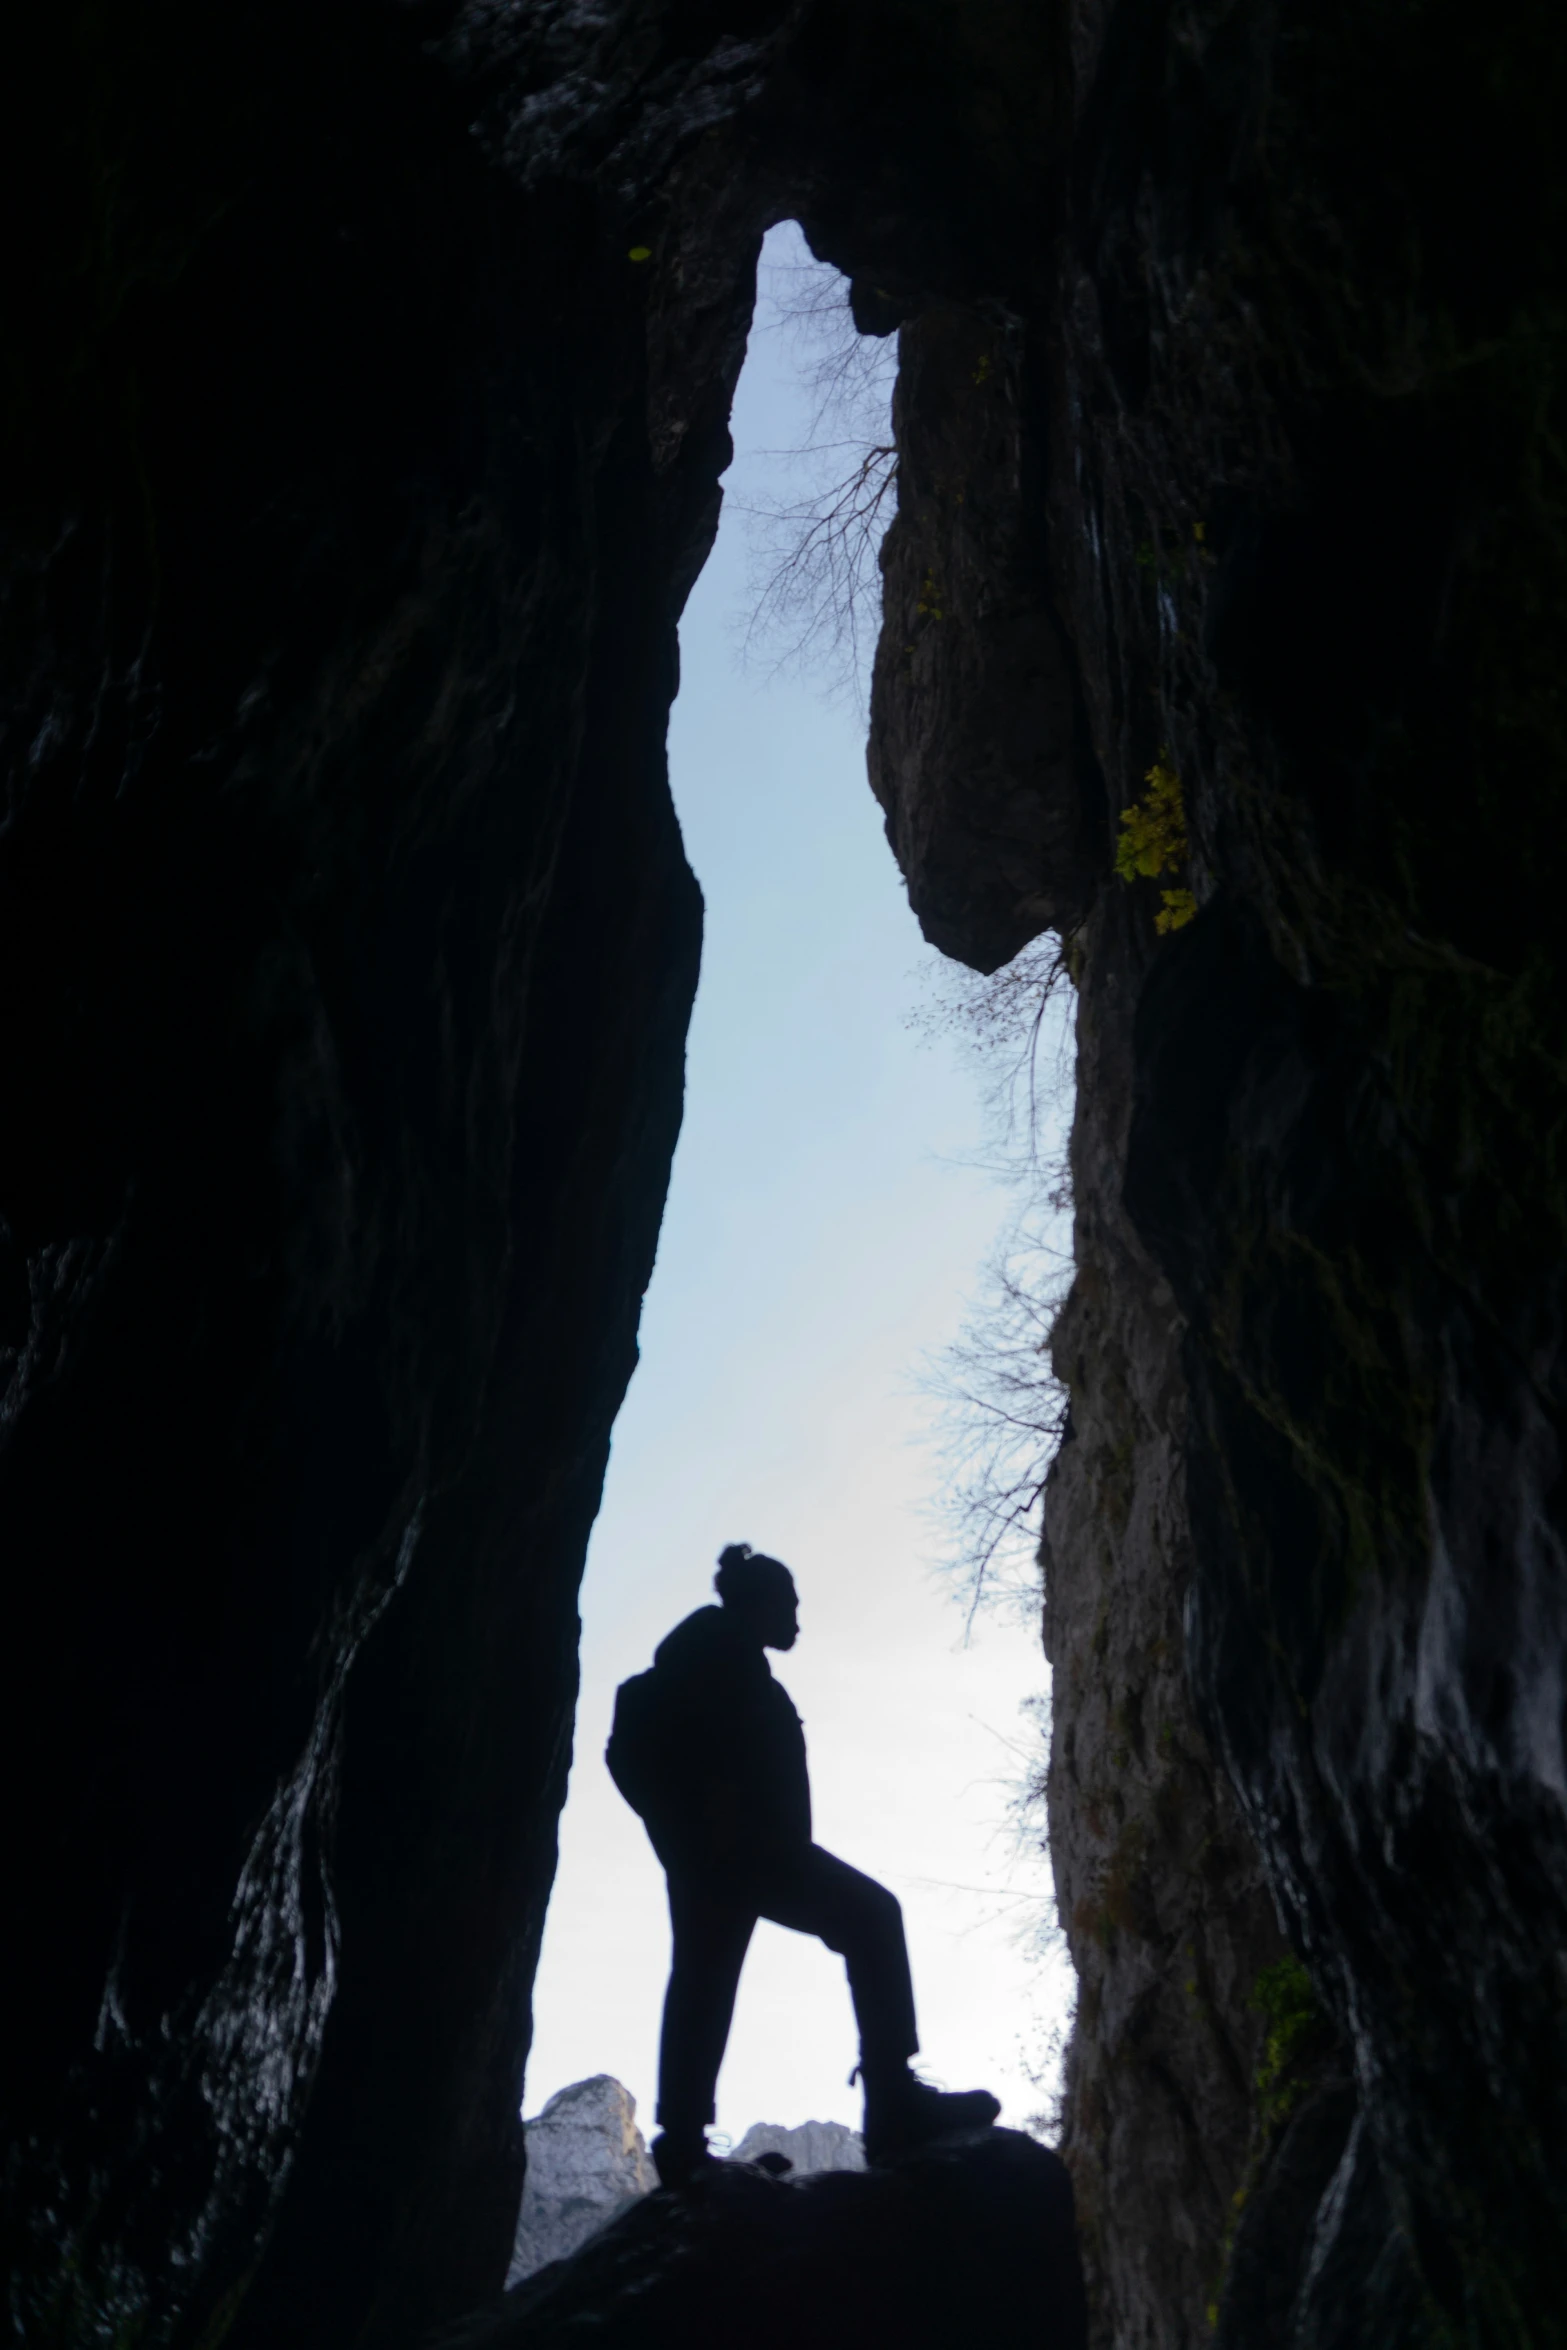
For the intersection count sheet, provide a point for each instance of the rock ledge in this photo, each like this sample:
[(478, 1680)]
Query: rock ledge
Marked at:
[(970, 2240)]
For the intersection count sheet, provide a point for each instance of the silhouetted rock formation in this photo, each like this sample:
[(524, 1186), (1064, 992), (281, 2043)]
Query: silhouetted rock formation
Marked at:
[(587, 2163), (971, 2241), (356, 474)]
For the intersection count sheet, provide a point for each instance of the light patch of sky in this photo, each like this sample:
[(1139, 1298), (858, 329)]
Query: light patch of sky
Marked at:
[(828, 1218)]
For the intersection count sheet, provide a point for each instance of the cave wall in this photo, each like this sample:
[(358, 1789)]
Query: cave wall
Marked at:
[(349, 946), (1333, 370), (367, 380), (1271, 447), (356, 474)]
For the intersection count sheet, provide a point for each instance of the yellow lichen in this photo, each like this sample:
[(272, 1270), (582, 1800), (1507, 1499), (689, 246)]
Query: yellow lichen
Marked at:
[(1285, 1996), (1153, 842), (1153, 829), (929, 605), (1179, 907)]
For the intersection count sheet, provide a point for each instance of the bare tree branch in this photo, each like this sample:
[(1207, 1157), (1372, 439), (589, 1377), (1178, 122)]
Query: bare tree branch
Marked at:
[(1002, 1409), (816, 571), (815, 547)]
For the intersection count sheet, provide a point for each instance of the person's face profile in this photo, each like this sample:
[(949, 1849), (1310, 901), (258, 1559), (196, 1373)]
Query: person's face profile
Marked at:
[(774, 1614), (784, 1618)]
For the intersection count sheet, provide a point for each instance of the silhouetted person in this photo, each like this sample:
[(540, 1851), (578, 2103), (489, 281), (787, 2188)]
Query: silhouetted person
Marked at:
[(708, 1748)]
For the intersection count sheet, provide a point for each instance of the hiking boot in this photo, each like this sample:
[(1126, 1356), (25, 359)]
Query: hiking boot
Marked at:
[(681, 2159), (902, 2112)]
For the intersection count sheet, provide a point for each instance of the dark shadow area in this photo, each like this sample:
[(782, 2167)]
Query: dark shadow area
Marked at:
[(968, 2241)]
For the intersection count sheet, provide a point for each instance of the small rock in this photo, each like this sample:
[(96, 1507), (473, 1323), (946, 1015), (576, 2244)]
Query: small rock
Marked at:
[(809, 2146)]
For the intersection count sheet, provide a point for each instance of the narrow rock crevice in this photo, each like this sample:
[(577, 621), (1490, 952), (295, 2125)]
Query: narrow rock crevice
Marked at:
[(367, 397)]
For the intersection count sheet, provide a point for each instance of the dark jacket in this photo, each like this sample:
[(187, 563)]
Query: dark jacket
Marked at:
[(740, 1794)]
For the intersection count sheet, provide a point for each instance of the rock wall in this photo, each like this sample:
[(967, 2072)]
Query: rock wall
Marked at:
[(1316, 531), (1260, 470), (348, 950), (367, 392)]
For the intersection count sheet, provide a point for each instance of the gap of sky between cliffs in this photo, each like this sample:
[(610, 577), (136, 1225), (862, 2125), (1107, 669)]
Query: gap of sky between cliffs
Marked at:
[(827, 1225)]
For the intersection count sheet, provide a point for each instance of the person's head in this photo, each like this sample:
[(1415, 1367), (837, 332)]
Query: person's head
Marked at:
[(759, 1593)]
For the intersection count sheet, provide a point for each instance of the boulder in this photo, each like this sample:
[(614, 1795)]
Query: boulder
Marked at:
[(969, 2240)]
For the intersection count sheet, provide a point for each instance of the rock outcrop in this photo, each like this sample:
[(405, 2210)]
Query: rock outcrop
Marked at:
[(587, 2163), (970, 2241), (808, 2147), (366, 390)]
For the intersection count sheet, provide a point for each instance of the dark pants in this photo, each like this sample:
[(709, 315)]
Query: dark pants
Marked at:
[(713, 1917)]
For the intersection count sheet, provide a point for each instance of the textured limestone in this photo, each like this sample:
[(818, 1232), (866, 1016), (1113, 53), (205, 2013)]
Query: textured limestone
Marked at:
[(809, 2147), (587, 2162), (1159, 1885), (1308, 566)]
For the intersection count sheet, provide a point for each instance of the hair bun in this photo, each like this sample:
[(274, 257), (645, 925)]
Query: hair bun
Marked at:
[(744, 1572)]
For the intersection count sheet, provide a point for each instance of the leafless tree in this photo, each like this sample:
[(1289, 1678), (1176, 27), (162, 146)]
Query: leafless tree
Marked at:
[(1029, 1900), (1001, 1407), (816, 580), (1003, 1412), (814, 602)]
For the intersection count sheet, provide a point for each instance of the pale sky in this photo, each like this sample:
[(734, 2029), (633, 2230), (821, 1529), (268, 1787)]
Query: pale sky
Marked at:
[(826, 1228)]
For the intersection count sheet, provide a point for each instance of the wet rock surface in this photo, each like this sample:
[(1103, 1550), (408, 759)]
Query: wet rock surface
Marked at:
[(348, 946), (1336, 1081), (969, 2241)]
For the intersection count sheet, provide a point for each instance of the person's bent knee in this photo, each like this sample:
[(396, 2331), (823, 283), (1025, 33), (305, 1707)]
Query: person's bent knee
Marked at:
[(887, 1909)]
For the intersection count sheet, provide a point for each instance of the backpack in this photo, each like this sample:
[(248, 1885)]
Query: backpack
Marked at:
[(643, 1750)]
